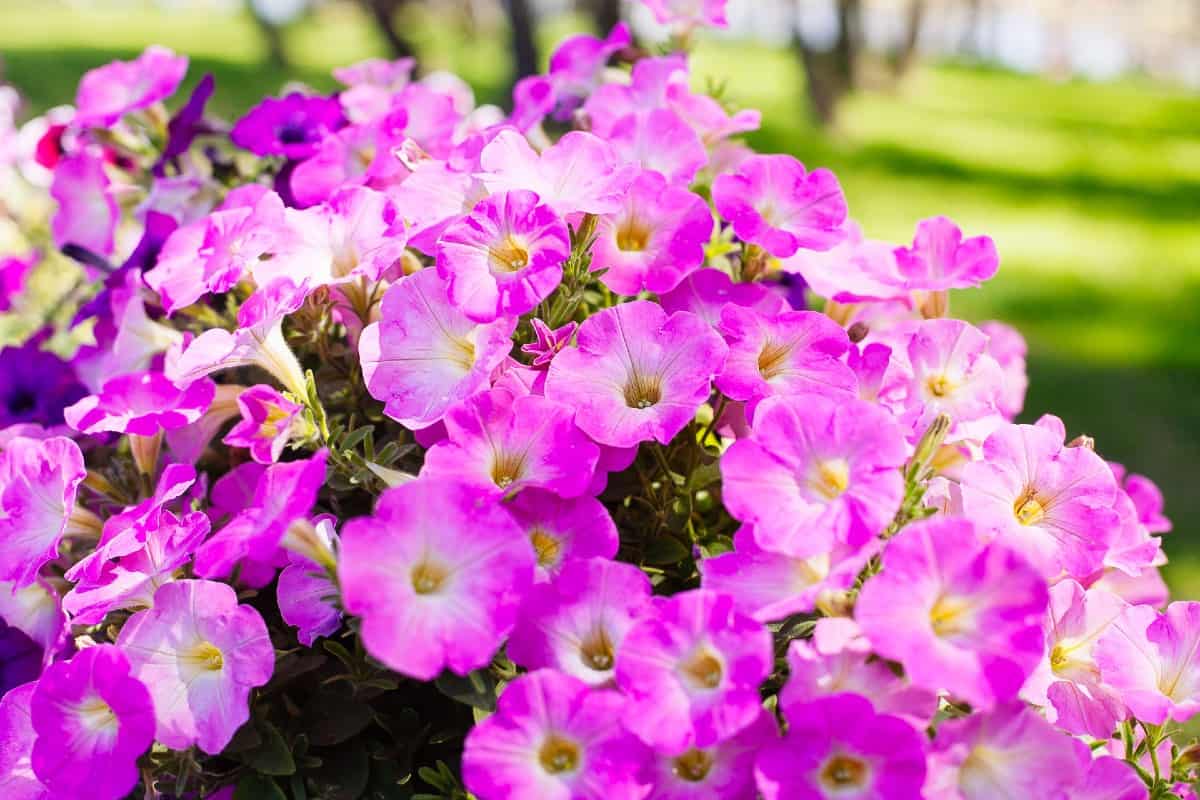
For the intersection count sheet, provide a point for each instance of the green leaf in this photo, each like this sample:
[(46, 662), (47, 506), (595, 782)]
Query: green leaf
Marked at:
[(272, 756), (343, 774), (665, 550), (253, 786), (477, 690), (335, 715)]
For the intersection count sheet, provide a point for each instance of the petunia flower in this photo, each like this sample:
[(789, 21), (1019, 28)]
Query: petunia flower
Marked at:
[(577, 622), (35, 386), (200, 654), (291, 126), (548, 343), (724, 771), (437, 574), (505, 257), (93, 722), (1067, 683), (706, 292), (285, 493), (637, 374), (691, 669), (1007, 346), (960, 615), (425, 355), (838, 747), (837, 660), (141, 404), (17, 737), (857, 269), (110, 92), (503, 445), (941, 259), (580, 173), (358, 154), (38, 484), (1147, 498), (638, 139), (14, 274), (775, 203), (1052, 503), (654, 240), (815, 470), (793, 352), (562, 530), (433, 197), (577, 64), (689, 13), (1152, 661), (770, 586), (1011, 749), (553, 737), (87, 211), (269, 421), (305, 590)]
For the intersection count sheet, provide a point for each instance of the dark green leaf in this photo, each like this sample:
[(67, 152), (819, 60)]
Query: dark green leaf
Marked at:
[(666, 550), (253, 786), (477, 690), (272, 756)]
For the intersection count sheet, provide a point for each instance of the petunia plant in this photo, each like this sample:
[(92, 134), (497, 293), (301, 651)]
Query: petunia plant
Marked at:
[(389, 446)]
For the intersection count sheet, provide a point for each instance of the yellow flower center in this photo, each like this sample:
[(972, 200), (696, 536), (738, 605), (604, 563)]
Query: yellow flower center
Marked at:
[(844, 772), (1028, 509), (206, 656), (831, 478), (939, 385), (428, 577), (642, 391), (772, 358), (632, 236), (558, 755), (509, 256), (703, 670), (949, 616), (507, 468), (693, 766), (96, 715), (270, 424), (547, 547), (462, 353), (596, 651)]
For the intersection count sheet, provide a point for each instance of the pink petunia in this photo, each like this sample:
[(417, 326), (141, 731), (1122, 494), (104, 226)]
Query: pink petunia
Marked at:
[(654, 240), (269, 421), (724, 771), (87, 209), (503, 446), (815, 470), (93, 721), (793, 352), (505, 257), (562, 530), (108, 93), (1007, 346), (857, 269), (941, 259), (437, 574), (17, 737), (1107, 778), (554, 738), (638, 139), (576, 623), (306, 592), (960, 615), (1010, 750), (38, 484), (692, 668), (425, 355), (707, 291), (142, 404), (1152, 660), (840, 747), (775, 203), (200, 654), (689, 13), (1052, 503), (636, 374)]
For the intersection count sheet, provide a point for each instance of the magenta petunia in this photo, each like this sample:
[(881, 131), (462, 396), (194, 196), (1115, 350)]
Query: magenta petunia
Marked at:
[(770, 586), (17, 736), (1007, 346), (505, 257), (199, 653), (1147, 499), (291, 126), (554, 738), (941, 259), (306, 592), (580, 173), (790, 353), (1067, 682), (1152, 660), (269, 421), (692, 668), (774, 202), (285, 493), (38, 484), (960, 615), (638, 139), (577, 65), (636, 374), (1052, 503), (87, 208), (35, 610), (839, 747), (93, 721), (815, 470), (357, 155), (1107, 778), (425, 355), (561, 530), (724, 771), (548, 343), (838, 659), (108, 93), (437, 575), (1010, 750), (142, 404), (856, 269), (654, 240), (707, 291), (577, 622), (503, 445), (14, 276)]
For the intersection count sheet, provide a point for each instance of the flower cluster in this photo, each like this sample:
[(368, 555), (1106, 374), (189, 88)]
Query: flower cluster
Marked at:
[(576, 452)]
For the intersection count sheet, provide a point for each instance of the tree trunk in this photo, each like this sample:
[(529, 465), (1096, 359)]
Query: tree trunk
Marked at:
[(907, 55), (384, 12), (606, 14), (525, 55), (272, 37), (849, 41)]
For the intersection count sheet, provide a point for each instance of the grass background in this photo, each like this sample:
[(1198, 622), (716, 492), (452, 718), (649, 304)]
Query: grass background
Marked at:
[(1092, 192)]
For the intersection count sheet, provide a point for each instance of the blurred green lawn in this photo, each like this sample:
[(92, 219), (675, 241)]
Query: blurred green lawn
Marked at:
[(1092, 192)]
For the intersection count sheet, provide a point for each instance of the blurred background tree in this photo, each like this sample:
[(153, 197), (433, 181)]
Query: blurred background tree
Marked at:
[(1069, 130)]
